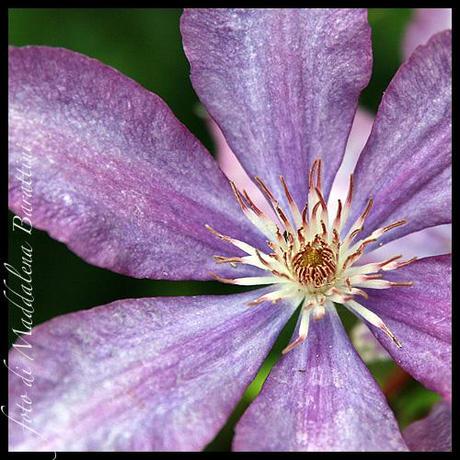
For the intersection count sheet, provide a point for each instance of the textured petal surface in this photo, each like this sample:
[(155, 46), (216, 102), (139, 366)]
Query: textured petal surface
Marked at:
[(425, 23), (406, 164), (144, 374), (114, 174), (420, 316), (433, 433), (320, 397), (282, 84)]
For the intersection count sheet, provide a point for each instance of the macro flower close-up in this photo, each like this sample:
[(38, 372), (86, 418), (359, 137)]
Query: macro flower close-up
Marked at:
[(109, 171)]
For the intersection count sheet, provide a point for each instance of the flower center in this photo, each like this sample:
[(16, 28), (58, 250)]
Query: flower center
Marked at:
[(311, 260), (315, 264)]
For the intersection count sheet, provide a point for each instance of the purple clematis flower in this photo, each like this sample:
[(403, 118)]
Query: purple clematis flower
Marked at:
[(128, 188)]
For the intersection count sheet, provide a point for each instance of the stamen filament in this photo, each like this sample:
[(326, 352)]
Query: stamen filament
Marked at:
[(373, 319), (292, 204), (303, 330), (249, 281)]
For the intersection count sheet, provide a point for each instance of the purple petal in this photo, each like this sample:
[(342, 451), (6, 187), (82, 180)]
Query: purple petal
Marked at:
[(114, 174), (425, 23), (420, 317), (142, 374), (320, 397), (433, 433), (282, 84), (406, 164)]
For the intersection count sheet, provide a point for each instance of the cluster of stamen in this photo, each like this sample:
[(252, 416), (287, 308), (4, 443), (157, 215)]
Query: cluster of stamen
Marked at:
[(315, 265), (308, 261)]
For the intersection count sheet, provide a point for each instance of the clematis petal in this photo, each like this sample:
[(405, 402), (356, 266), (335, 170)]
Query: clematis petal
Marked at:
[(141, 374), (320, 397), (114, 174), (425, 23), (420, 317), (433, 433), (406, 164), (282, 84)]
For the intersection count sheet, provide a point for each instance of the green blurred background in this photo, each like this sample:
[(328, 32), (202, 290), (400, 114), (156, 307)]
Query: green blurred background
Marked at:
[(145, 44)]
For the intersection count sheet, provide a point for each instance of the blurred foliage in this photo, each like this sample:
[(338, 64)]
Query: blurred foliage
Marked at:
[(388, 27), (145, 44)]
